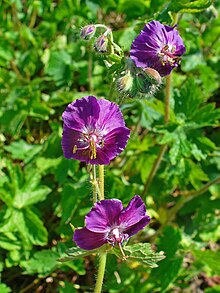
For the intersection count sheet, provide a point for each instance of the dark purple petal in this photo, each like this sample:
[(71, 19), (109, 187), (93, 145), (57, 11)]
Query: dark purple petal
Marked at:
[(104, 215), (94, 131), (115, 142), (110, 116), (88, 240), (156, 39), (138, 226), (133, 213), (69, 140), (82, 113)]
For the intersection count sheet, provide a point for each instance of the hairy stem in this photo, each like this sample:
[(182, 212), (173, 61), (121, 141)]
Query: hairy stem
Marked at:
[(101, 181), (167, 99), (95, 186), (101, 272), (111, 92), (90, 71)]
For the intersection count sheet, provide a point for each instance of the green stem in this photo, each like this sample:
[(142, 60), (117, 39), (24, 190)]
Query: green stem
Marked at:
[(163, 148), (90, 71), (154, 169), (111, 42), (101, 272), (101, 181), (167, 99), (189, 195), (93, 181), (194, 193), (33, 18), (111, 91)]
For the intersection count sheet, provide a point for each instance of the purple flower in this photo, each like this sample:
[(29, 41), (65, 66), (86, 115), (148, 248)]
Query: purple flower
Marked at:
[(109, 222), (88, 32), (94, 131), (157, 46)]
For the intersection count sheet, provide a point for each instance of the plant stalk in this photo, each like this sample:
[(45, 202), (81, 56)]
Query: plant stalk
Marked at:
[(189, 195), (101, 272), (163, 148), (101, 182), (167, 99)]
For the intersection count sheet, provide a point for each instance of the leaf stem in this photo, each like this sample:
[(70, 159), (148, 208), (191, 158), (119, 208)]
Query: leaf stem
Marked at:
[(189, 195), (101, 272)]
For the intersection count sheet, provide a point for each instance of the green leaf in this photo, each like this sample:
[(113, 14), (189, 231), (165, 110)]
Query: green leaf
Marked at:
[(42, 263), (27, 198), (59, 66), (141, 252), (30, 192), (209, 259), (30, 227), (69, 202), (188, 98), (4, 288), (126, 38), (9, 242), (169, 268), (22, 150), (76, 253), (193, 6), (214, 289)]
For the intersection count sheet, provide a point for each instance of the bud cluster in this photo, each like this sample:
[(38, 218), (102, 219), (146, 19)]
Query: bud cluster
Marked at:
[(101, 42), (132, 81)]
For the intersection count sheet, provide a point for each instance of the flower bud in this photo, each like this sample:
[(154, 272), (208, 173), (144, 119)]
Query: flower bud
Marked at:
[(126, 84), (153, 75), (101, 44), (143, 84), (148, 81), (88, 32)]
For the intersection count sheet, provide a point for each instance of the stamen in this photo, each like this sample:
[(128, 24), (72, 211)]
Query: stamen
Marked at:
[(93, 149), (122, 251), (167, 56), (74, 149)]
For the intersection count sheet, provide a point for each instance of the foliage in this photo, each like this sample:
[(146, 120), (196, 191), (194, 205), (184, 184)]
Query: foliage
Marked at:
[(44, 66)]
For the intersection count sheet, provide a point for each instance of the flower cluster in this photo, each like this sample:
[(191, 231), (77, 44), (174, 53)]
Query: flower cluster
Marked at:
[(132, 80), (159, 47), (94, 131), (109, 222), (101, 42)]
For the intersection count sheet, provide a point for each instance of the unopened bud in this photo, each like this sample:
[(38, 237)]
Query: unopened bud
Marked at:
[(143, 83), (101, 44), (153, 75), (126, 84), (148, 81), (88, 32)]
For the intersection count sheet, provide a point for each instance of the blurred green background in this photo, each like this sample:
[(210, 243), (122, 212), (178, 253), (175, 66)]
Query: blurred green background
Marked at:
[(44, 65)]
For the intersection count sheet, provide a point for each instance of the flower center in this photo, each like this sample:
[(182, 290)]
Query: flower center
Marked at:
[(167, 55), (90, 141), (93, 139), (115, 236)]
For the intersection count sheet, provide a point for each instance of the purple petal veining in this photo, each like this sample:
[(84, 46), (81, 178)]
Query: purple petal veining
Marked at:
[(108, 222), (94, 131), (157, 46)]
